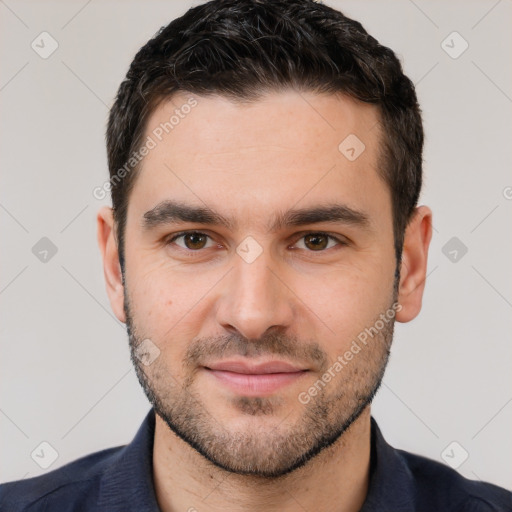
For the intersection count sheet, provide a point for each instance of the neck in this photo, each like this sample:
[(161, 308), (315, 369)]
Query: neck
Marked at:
[(335, 480)]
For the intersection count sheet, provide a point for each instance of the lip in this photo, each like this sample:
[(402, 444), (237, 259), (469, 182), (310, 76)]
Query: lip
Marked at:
[(255, 379), (238, 366)]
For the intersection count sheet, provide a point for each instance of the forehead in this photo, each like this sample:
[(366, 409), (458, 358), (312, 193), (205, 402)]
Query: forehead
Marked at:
[(281, 150), (298, 121)]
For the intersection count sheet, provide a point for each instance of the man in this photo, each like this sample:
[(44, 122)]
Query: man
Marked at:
[(265, 166)]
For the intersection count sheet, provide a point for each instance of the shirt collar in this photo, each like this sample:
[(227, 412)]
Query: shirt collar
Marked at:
[(128, 484), (391, 482)]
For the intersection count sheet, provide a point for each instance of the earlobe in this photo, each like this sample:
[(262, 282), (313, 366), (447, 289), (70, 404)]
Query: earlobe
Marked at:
[(413, 269), (107, 243)]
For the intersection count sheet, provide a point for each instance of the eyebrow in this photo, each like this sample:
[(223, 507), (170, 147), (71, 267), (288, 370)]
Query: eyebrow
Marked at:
[(174, 212)]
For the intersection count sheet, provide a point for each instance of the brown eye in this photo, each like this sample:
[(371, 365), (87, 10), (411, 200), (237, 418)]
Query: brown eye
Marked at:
[(316, 241), (192, 241)]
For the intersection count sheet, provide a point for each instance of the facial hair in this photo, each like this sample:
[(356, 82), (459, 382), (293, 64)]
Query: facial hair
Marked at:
[(264, 453)]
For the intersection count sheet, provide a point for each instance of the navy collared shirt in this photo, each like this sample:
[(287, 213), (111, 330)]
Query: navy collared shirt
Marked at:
[(121, 480)]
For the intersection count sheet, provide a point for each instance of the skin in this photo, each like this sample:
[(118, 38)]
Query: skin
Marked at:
[(294, 302)]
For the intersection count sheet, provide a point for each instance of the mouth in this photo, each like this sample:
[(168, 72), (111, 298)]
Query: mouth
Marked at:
[(251, 379)]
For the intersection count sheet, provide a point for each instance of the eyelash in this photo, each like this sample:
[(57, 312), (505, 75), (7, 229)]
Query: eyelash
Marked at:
[(191, 252)]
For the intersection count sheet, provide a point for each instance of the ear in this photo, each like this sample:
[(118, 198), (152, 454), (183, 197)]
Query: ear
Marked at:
[(413, 271), (112, 269)]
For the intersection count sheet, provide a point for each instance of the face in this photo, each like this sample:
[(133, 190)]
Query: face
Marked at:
[(258, 257)]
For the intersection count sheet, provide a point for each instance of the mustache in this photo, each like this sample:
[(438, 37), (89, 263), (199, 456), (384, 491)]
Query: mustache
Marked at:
[(205, 350)]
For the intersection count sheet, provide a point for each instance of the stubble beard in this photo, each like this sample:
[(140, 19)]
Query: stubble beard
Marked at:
[(265, 453)]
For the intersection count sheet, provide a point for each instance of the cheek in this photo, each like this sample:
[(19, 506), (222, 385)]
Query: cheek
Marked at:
[(156, 313), (345, 302), (167, 306)]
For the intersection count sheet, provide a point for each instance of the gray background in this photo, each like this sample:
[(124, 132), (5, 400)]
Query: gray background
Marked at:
[(65, 370)]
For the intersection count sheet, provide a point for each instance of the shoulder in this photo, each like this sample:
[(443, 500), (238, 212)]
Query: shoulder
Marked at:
[(438, 485), (62, 489)]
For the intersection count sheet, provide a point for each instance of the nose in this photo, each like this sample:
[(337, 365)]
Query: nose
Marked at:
[(255, 297)]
